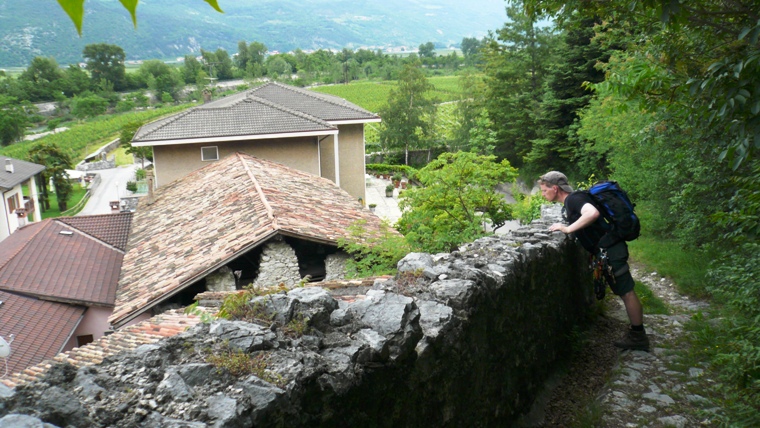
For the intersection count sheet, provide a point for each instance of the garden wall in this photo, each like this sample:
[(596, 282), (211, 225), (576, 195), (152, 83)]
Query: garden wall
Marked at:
[(460, 339)]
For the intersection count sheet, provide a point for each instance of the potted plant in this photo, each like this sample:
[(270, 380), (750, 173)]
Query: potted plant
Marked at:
[(372, 207), (396, 179), (389, 191)]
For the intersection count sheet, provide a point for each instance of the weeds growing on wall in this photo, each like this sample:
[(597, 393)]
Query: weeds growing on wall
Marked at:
[(238, 306), (241, 364)]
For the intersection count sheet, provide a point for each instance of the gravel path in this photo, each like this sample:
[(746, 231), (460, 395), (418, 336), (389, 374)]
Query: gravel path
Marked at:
[(602, 386)]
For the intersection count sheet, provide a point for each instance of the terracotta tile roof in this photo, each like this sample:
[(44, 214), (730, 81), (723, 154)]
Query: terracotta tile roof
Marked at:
[(74, 267), (324, 106), (41, 328), (205, 219), (113, 229), (152, 330), (272, 108), (22, 170)]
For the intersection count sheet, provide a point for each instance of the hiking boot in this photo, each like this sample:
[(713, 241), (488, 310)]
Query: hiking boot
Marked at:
[(634, 340)]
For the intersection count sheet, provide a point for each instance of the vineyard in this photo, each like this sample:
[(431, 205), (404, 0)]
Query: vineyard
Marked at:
[(80, 139)]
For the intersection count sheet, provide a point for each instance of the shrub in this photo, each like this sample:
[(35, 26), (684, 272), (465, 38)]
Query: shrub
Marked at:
[(373, 254), (125, 106), (528, 207)]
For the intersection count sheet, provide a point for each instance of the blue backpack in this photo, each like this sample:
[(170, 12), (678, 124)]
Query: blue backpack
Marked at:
[(620, 220)]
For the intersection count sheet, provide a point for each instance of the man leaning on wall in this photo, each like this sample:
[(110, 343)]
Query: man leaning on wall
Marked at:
[(585, 223)]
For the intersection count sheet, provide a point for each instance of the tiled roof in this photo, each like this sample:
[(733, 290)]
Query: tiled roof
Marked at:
[(22, 170), (73, 266), (113, 229), (240, 115), (41, 328), (323, 106), (205, 219), (272, 108), (152, 330)]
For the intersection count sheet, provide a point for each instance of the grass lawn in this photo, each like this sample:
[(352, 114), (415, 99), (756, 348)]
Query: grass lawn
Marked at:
[(77, 194), (687, 268)]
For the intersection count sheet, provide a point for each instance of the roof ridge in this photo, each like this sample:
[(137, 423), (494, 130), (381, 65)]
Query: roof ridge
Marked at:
[(289, 110), (259, 190), (49, 220), (89, 236), (313, 94)]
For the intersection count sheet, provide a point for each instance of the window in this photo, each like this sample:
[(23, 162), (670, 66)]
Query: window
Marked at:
[(83, 340), (13, 203), (209, 153)]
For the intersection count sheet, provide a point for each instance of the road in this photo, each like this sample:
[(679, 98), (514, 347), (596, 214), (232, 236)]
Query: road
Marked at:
[(113, 185)]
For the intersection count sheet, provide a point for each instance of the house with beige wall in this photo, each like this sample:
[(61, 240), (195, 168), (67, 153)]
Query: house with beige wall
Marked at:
[(16, 210), (312, 132)]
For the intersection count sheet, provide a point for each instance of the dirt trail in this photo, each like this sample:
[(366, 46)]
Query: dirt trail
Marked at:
[(604, 387)]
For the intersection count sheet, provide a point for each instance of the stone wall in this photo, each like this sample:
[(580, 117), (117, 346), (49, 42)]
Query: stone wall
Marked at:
[(335, 266), (94, 166), (459, 339), (278, 265)]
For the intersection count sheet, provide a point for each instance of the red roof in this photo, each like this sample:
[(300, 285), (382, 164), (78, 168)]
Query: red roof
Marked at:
[(52, 260), (41, 328), (113, 229), (161, 326)]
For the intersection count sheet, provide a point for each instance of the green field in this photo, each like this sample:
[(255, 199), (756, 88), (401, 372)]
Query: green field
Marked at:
[(373, 95)]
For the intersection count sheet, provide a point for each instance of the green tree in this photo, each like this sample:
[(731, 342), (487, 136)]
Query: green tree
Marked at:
[(75, 81), (427, 50), (277, 66), (56, 161), (470, 47), (161, 78), (125, 140), (517, 65), (456, 201), (190, 69), (567, 93), (404, 117), (88, 105), (41, 80), (224, 65), (468, 109), (14, 119), (106, 62)]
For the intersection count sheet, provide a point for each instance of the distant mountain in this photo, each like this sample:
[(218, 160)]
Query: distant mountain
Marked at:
[(172, 28)]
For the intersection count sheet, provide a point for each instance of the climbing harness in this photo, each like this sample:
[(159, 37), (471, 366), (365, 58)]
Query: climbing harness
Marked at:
[(603, 273)]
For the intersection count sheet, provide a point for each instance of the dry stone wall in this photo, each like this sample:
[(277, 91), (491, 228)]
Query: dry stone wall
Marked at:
[(278, 264), (459, 339)]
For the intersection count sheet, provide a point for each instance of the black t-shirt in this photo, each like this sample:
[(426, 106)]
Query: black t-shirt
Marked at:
[(588, 236)]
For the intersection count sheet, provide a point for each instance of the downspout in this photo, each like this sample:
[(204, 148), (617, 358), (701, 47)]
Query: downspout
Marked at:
[(337, 159), (7, 224), (319, 152)]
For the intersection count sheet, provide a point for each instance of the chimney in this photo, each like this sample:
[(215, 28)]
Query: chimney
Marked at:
[(9, 166), (150, 197)]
